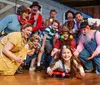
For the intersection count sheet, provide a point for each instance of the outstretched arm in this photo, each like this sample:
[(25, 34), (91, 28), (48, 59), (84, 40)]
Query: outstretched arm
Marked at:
[(53, 67)]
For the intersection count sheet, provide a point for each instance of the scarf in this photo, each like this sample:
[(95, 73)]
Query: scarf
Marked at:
[(22, 21)]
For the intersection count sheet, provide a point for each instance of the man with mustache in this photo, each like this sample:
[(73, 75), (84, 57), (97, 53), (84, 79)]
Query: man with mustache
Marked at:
[(88, 48), (91, 21)]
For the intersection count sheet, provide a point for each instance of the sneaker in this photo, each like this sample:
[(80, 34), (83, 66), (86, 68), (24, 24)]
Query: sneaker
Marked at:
[(32, 69), (38, 68), (19, 72), (20, 68)]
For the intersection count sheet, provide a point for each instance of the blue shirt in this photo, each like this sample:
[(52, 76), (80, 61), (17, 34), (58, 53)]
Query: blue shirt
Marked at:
[(10, 24)]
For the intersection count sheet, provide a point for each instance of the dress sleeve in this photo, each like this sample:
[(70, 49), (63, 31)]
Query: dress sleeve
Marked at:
[(14, 38)]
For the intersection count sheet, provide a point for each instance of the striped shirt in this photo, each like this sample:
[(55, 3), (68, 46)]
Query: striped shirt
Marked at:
[(50, 32)]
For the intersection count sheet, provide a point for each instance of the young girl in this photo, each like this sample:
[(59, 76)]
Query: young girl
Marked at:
[(34, 47), (68, 64), (64, 40)]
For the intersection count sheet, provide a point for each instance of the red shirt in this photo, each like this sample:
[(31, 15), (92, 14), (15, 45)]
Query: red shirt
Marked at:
[(39, 22), (59, 44)]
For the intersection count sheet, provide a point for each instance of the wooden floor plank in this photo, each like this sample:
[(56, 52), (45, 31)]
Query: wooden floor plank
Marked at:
[(41, 78)]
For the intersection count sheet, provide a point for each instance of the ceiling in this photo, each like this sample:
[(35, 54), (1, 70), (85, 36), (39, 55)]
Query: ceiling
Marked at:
[(79, 3)]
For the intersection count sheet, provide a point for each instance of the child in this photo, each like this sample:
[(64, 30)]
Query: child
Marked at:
[(68, 64), (64, 40), (34, 47), (47, 42)]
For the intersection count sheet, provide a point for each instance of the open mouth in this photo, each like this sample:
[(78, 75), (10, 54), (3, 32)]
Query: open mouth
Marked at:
[(84, 34), (28, 35), (66, 57)]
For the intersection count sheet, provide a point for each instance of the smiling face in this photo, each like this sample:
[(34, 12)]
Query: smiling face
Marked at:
[(66, 54), (27, 31), (70, 16), (55, 25), (79, 17), (35, 43), (66, 35), (35, 9)]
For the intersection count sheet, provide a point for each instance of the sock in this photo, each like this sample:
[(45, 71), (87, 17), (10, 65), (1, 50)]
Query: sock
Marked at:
[(38, 64)]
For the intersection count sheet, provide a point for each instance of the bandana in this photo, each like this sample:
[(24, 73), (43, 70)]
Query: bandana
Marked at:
[(22, 21)]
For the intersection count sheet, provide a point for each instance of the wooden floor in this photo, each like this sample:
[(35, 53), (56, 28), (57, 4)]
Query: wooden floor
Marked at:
[(41, 78)]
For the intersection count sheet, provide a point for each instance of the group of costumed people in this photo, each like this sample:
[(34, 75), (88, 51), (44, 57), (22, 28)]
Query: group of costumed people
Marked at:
[(15, 32), (73, 48)]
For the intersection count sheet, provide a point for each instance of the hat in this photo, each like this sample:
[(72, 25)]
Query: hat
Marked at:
[(35, 3), (83, 25), (69, 11), (65, 29)]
